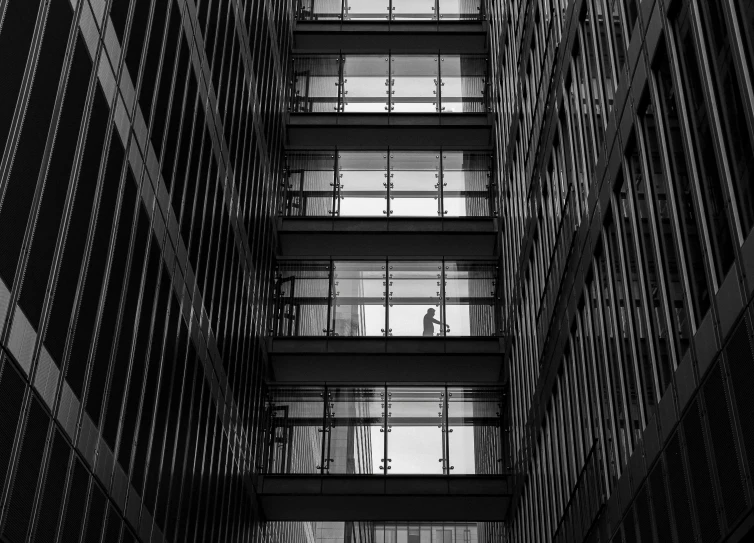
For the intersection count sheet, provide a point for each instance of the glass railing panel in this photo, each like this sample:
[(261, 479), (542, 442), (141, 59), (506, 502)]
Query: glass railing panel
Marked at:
[(365, 83), (464, 81), (414, 190), (362, 186), (302, 298), (422, 10), (358, 301), (475, 430), (466, 184), (309, 189), (414, 294), (354, 441), (295, 423), (316, 80), (366, 10), (415, 439), (414, 84), (460, 9), (319, 10), (470, 298)]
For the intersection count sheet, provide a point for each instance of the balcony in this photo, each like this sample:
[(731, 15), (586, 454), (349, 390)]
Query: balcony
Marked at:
[(378, 101), (384, 453), (410, 203), (450, 25), (397, 320)]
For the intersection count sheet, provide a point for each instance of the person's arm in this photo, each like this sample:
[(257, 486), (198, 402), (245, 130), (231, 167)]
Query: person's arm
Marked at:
[(438, 322)]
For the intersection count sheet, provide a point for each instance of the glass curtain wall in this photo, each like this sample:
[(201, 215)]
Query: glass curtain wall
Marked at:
[(384, 430), (388, 183), (387, 298), (389, 83), (396, 10)]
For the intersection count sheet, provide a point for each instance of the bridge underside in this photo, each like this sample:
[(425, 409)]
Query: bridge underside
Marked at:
[(427, 498)]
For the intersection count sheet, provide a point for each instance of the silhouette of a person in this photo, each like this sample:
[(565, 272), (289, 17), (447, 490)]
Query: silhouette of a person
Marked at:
[(429, 319)]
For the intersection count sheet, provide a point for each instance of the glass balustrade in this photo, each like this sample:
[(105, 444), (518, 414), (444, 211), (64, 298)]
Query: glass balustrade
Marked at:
[(368, 298), (388, 183), (384, 430), (394, 84), (396, 10)]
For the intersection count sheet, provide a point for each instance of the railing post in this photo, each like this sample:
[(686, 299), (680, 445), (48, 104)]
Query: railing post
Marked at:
[(387, 298), (385, 462), (341, 82), (336, 184), (439, 83), (441, 183), (324, 431), (446, 433), (331, 279), (389, 177), (443, 308)]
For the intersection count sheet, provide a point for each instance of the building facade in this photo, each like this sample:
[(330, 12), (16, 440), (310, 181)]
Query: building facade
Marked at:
[(594, 257), (625, 133), (141, 149)]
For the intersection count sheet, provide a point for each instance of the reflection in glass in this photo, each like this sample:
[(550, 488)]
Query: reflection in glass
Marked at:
[(349, 429), (319, 10), (475, 431), (316, 83), (309, 192), (293, 441), (470, 298), (394, 298), (301, 298), (414, 290), (460, 9), (358, 301), (466, 184), (354, 414), (362, 188), (385, 83), (464, 82), (366, 10)]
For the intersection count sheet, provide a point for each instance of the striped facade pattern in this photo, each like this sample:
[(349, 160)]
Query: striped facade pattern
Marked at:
[(625, 132), (139, 179)]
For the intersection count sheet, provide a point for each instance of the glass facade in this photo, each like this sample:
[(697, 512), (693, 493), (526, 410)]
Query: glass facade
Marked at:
[(389, 10), (145, 163), (129, 285), (626, 226), (386, 298), (379, 430), (391, 182), (392, 83)]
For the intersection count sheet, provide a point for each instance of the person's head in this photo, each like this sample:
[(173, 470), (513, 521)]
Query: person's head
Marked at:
[(430, 311)]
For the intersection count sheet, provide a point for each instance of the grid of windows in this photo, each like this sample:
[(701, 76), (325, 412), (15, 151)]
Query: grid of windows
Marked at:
[(139, 177), (624, 137)]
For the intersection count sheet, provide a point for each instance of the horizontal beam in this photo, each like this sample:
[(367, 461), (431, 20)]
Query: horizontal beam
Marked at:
[(392, 359), (419, 498), (471, 131), (417, 237), (378, 36)]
